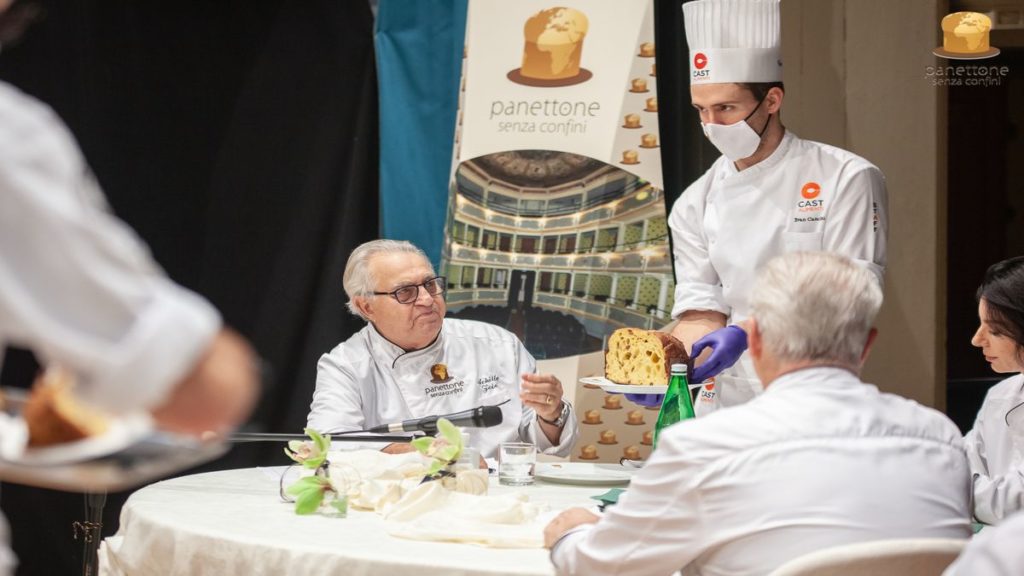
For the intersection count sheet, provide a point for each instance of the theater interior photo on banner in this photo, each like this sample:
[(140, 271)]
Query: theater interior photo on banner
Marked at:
[(471, 287)]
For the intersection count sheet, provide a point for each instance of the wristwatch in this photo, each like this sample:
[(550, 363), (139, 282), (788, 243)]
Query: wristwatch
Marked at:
[(562, 416)]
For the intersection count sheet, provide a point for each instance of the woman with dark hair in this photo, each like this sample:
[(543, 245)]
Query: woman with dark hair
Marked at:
[(995, 445)]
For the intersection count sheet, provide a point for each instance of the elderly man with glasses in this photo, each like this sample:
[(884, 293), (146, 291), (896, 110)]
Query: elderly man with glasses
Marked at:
[(409, 362)]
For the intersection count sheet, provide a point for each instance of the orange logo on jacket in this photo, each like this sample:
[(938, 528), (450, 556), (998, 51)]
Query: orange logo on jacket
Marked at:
[(810, 201), (811, 190)]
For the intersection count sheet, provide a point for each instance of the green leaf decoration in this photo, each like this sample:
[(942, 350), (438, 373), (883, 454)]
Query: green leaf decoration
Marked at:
[(422, 444), (451, 446), (435, 467), (304, 484), (307, 502), (321, 442), (450, 433)]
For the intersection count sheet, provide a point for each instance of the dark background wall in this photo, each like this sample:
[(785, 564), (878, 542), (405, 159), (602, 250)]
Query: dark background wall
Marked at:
[(239, 139)]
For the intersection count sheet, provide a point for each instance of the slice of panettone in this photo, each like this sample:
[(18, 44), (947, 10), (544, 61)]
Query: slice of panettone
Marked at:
[(54, 416), (642, 357)]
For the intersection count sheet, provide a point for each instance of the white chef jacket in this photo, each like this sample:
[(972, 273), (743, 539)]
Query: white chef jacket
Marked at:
[(996, 551), (77, 286), (367, 381), (820, 459), (728, 223), (995, 446)]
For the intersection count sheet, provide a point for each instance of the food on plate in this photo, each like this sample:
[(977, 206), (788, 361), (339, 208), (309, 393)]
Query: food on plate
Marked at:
[(642, 357), (54, 416)]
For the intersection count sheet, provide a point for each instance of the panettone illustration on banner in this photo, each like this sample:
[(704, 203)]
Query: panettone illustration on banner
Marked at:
[(556, 227), (553, 46), (965, 36)]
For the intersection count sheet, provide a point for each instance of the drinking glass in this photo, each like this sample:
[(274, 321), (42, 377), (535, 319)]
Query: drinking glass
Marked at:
[(516, 461)]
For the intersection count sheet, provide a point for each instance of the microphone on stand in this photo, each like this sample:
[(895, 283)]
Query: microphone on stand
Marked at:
[(479, 417)]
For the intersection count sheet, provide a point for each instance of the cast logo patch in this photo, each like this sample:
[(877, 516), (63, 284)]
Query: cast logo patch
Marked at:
[(809, 198)]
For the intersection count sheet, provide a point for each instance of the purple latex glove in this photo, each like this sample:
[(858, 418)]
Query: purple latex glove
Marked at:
[(727, 345), (645, 399)]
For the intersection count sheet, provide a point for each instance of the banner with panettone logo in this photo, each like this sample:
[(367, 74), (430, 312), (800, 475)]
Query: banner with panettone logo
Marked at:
[(577, 78), (556, 227)]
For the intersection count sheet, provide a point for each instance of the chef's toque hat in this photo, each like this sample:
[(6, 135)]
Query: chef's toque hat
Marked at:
[(733, 41)]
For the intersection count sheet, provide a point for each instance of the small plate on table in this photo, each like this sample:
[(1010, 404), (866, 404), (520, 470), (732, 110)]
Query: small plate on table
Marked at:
[(609, 386), (584, 474)]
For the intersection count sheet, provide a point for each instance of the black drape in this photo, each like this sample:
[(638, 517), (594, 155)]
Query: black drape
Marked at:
[(239, 139)]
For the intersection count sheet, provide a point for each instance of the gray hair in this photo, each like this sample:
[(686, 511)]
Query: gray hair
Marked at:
[(358, 280), (815, 306)]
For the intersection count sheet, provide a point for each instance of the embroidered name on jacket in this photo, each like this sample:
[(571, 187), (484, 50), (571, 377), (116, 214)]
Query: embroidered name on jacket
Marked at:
[(488, 383)]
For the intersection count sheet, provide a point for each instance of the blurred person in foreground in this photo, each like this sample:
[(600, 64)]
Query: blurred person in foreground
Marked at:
[(81, 290), (995, 445), (410, 362), (819, 459)]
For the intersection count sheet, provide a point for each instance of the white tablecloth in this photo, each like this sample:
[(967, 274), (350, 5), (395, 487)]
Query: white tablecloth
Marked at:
[(233, 522)]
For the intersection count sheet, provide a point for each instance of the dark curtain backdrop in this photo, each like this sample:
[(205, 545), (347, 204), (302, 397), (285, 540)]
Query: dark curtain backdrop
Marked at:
[(239, 139)]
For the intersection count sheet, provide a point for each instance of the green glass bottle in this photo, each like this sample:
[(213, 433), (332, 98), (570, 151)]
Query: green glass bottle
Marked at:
[(677, 404)]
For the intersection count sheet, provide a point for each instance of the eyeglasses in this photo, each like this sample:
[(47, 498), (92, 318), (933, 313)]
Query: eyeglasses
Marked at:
[(409, 294)]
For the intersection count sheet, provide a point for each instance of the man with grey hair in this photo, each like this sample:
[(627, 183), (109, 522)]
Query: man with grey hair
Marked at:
[(819, 459), (409, 362)]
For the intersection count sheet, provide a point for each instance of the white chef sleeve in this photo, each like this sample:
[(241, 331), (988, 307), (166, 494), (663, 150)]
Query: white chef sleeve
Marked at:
[(995, 496), (654, 529), (529, 427), (77, 286), (698, 286), (336, 405), (858, 220)]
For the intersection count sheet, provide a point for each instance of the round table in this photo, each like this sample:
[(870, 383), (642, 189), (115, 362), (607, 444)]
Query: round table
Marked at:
[(233, 522)]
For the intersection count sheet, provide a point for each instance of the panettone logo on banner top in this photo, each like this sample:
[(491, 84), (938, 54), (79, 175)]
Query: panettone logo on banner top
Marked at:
[(553, 48), (562, 78), (965, 37)]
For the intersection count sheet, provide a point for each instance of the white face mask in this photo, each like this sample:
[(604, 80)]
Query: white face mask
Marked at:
[(738, 140)]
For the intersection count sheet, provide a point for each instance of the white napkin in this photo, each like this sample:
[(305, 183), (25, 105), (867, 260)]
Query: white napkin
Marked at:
[(431, 512), (374, 480)]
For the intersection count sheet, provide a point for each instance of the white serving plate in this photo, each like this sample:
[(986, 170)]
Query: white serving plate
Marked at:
[(121, 433), (609, 386), (584, 474), (130, 453)]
